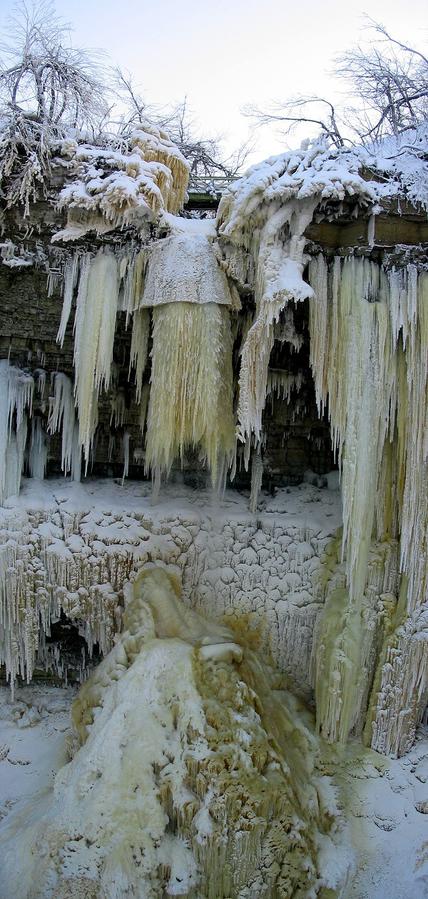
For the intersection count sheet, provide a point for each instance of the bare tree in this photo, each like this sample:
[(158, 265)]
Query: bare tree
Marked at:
[(204, 154), (301, 110), (391, 81), (389, 86), (46, 86)]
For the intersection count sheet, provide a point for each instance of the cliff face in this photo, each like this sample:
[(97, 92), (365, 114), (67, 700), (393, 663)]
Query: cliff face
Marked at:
[(140, 343)]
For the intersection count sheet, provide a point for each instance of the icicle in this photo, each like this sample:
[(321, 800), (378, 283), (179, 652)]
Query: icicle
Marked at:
[(191, 386), (144, 405), (62, 417), (134, 283), (38, 455), (71, 271), (281, 383), (369, 353), (125, 447), (94, 335), (117, 409), (256, 480), (16, 396), (76, 455), (40, 374), (139, 348)]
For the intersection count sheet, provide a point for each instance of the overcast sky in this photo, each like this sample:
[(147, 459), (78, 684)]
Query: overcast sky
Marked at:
[(227, 53)]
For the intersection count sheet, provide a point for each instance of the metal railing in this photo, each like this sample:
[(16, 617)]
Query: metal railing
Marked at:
[(210, 184)]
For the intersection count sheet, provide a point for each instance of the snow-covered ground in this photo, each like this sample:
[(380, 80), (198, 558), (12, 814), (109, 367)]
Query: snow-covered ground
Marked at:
[(386, 802)]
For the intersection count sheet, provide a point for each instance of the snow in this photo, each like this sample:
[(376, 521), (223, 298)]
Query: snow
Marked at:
[(115, 188), (183, 267), (166, 728), (385, 831)]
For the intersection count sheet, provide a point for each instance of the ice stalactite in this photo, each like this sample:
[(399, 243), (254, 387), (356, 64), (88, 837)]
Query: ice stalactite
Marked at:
[(261, 223), (95, 321), (369, 353), (139, 348), (191, 393), (16, 397), (117, 408), (71, 274), (279, 270), (38, 452), (281, 383), (192, 774), (132, 273), (62, 417), (125, 447), (256, 479)]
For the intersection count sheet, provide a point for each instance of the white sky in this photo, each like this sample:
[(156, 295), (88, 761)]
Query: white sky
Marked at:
[(223, 55)]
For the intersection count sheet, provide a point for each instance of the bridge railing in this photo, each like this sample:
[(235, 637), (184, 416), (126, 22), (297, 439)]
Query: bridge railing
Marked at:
[(210, 184)]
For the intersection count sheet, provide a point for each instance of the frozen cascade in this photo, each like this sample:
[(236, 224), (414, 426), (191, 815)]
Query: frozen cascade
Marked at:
[(279, 267), (16, 396), (38, 454), (62, 417), (191, 386), (95, 321), (139, 348), (369, 353), (261, 223), (191, 392), (222, 798)]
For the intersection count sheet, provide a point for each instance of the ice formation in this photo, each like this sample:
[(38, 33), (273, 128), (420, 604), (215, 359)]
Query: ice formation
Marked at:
[(261, 222), (183, 266), (69, 548), (369, 358), (139, 348), (196, 773), (95, 322), (179, 284), (62, 418), (369, 353), (191, 386), (16, 396), (117, 188), (191, 394), (38, 451)]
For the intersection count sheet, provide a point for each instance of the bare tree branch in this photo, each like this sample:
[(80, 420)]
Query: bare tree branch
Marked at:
[(389, 81)]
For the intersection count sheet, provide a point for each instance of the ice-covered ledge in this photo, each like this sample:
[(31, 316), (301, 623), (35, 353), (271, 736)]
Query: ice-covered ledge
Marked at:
[(71, 546)]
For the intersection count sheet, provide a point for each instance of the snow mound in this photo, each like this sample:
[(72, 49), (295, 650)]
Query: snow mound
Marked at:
[(131, 186), (194, 776)]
